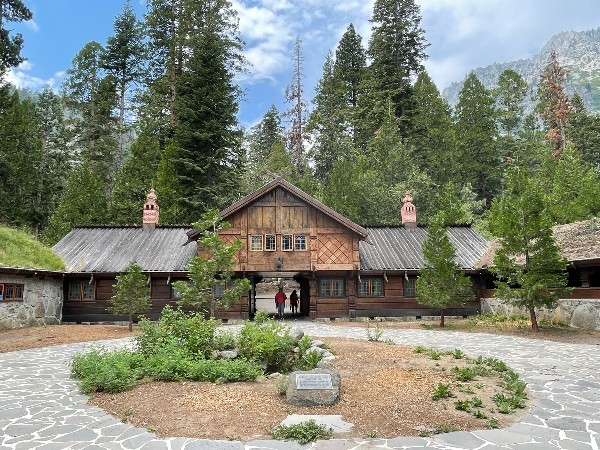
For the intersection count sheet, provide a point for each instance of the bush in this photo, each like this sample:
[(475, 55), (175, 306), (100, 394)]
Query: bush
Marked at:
[(102, 371), (222, 371), (224, 341), (303, 432), (267, 343)]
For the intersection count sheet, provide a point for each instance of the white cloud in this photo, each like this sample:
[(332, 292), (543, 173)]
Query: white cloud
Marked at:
[(21, 78), (31, 24)]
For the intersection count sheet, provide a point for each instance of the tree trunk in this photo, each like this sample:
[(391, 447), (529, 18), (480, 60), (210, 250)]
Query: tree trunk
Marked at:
[(534, 324), (130, 322), (442, 314)]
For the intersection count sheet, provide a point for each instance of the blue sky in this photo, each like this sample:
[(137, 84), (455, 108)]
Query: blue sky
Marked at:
[(463, 34)]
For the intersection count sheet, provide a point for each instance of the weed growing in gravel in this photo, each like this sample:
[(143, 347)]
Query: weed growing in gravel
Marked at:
[(374, 334), (458, 353), (441, 391), (281, 385), (303, 433), (492, 424), (463, 374)]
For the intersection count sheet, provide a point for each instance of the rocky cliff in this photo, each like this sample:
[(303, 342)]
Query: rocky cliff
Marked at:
[(578, 52)]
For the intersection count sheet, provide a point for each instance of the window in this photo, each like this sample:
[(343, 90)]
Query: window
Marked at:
[(300, 243), (257, 243), (270, 243), (332, 287), (286, 243), (410, 287), (370, 287), (11, 291), (82, 290)]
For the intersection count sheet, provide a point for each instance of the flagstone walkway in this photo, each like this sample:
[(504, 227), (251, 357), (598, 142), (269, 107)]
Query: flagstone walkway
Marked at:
[(41, 408)]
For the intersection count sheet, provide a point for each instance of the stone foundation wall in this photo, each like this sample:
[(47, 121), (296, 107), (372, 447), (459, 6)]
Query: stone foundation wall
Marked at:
[(578, 313), (41, 305)]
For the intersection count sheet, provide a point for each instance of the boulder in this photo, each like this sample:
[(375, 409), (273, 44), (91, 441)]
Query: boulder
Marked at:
[(317, 387), (586, 317)]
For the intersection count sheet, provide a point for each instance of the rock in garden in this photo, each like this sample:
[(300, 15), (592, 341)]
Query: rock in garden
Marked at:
[(315, 387)]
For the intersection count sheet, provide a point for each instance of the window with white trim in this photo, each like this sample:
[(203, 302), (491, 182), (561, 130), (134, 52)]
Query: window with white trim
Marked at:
[(270, 245), (300, 242), (256, 244), (287, 243)]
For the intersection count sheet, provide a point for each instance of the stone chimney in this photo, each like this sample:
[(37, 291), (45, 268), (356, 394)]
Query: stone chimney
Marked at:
[(150, 218), (408, 213)]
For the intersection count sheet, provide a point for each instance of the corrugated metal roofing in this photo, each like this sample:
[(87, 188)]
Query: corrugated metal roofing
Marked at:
[(112, 249), (397, 248)]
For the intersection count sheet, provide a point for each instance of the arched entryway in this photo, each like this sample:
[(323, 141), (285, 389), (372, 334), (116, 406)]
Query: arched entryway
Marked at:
[(266, 285)]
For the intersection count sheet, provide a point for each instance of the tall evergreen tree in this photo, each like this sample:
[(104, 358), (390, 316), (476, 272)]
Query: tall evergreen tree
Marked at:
[(349, 70), (584, 132), (530, 269), (397, 50), (476, 133), (206, 156), (122, 59), (10, 47), (432, 136), (442, 283), (265, 135), (510, 97), (327, 123)]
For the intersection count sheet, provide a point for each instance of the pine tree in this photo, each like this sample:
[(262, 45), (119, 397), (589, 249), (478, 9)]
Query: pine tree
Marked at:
[(122, 59), (510, 97), (432, 136), (476, 133), (441, 282), (206, 155), (207, 275), (131, 293), (584, 132), (530, 271), (553, 104), (349, 70), (326, 122), (83, 202), (10, 48), (397, 49), (265, 135), (294, 95)]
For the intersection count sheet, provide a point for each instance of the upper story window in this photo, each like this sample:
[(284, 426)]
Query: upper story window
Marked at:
[(257, 243), (287, 243), (11, 291), (370, 287), (300, 243), (270, 245), (332, 287), (410, 287), (82, 290)]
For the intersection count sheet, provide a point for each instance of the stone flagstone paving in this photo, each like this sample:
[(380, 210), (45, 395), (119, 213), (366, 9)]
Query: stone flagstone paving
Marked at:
[(41, 408)]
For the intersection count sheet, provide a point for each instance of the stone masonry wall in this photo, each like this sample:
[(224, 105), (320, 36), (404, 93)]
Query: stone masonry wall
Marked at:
[(41, 305), (578, 313)]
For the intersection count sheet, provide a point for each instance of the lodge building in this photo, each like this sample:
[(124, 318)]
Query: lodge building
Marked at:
[(344, 270)]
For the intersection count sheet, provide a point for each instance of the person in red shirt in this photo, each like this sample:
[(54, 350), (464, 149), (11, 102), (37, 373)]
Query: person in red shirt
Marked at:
[(280, 299)]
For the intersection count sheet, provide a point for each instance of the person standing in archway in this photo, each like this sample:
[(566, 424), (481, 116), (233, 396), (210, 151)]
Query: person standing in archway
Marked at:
[(294, 302), (280, 299)]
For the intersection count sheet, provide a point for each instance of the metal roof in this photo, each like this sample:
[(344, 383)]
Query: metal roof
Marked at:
[(112, 249), (398, 248)]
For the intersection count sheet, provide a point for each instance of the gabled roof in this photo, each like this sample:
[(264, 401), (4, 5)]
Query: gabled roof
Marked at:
[(112, 249), (398, 248), (280, 182)]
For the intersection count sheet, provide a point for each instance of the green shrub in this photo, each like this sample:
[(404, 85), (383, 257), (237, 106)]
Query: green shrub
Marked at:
[(281, 385), (308, 361), (167, 364), (102, 371), (224, 340), (303, 432), (464, 373), (192, 331), (222, 370), (462, 405), (268, 343), (420, 349)]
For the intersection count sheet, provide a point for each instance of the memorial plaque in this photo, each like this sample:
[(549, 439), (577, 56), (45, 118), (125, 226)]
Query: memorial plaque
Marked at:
[(320, 381)]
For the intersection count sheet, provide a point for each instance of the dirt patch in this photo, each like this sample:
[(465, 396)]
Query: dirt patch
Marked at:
[(386, 392)]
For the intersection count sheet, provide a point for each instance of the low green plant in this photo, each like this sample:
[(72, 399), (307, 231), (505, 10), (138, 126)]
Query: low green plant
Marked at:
[(373, 334), (445, 428), (463, 373), (476, 402), (434, 354), (478, 414), (281, 385), (303, 433), (100, 370), (441, 391), (462, 405), (424, 433), (467, 390), (372, 434), (224, 340), (129, 412), (458, 353), (309, 360), (493, 423), (222, 370), (420, 349)]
